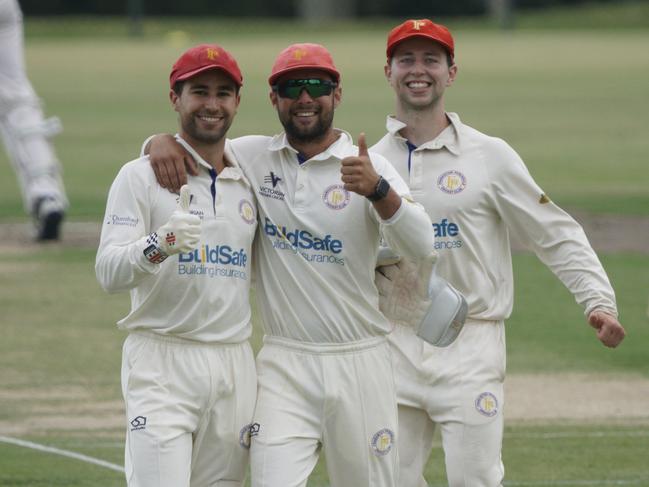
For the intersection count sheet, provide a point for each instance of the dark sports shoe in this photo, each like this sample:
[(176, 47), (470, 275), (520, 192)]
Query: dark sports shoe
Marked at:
[(49, 215)]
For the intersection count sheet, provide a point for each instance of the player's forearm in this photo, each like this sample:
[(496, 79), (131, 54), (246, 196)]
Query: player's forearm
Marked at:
[(409, 231), (575, 263), (387, 207), (561, 243), (123, 267)]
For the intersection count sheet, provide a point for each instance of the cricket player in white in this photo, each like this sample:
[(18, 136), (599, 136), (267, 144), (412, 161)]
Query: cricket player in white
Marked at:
[(188, 372), (26, 132), (476, 190), (325, 371)]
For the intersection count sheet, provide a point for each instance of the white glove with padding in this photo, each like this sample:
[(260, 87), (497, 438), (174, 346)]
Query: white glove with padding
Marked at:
[(180, 234), (413, 295)]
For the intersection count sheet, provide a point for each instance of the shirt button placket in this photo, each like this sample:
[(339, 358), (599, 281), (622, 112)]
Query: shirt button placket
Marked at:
[(416, 171), (300, 185)]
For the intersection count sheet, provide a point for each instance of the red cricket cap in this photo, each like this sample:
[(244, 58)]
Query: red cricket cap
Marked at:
[(303, 56), (202, 58), (420, 28)]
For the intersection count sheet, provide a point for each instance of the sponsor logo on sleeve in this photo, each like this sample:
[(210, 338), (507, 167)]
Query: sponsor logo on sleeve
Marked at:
[(120, 220)]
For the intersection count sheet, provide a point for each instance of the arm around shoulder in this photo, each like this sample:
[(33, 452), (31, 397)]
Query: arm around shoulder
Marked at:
[(169, 160)]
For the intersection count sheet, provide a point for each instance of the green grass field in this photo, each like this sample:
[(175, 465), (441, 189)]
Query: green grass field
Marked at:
[(60, 357), (573, 102)]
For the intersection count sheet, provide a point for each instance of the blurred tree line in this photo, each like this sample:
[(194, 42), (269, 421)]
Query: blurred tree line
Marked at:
[(282, 8)]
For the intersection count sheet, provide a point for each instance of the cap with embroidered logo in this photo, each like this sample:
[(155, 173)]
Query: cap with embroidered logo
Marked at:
[(202, 58), (420, 28), (303, 56)]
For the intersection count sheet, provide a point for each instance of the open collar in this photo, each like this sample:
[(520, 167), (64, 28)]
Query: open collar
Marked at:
[(450, 137), (232, 170), (339, 149)]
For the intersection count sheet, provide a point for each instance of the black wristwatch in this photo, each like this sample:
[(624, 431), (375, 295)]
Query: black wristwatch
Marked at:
[(381, 191)]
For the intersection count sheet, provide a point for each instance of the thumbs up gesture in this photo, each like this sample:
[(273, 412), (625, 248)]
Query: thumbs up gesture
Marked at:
[(358, 173), (183, 230)]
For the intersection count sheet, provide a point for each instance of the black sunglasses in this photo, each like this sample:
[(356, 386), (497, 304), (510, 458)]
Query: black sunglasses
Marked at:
[(315, 87)]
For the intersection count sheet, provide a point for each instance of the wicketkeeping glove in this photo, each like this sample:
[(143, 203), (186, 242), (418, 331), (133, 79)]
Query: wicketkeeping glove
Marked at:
[(413, 295), (402, 296), (445, 317), (180, 234)]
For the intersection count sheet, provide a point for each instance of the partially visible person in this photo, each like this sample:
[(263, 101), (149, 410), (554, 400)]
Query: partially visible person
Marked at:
[(188, 372), (26, 132), (477, 191), (325, 372)]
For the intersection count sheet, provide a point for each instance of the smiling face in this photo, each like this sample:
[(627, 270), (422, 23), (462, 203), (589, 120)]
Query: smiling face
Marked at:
[(419, 73), (206, 106), (306, 118)]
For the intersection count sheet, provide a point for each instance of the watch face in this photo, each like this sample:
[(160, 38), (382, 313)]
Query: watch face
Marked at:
[(383, 188), (381, 191)]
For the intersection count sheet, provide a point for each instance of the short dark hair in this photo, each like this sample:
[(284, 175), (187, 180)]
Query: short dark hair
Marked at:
[(178, 87), (449, 60)]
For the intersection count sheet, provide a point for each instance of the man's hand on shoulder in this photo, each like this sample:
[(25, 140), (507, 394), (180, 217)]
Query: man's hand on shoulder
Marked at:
[(609, 330), (170, 162)]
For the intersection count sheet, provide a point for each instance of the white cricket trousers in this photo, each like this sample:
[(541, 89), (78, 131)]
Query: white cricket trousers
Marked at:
[(336, 397), (460, 389), (189, 407)]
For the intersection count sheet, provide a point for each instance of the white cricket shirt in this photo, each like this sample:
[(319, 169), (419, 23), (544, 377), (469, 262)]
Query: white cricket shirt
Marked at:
[(476, 189), (201, 295), (317, 246)]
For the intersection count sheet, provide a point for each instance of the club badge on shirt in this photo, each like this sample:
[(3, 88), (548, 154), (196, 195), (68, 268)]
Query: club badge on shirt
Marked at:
[(451, 182), (336, 197), (247, 211)]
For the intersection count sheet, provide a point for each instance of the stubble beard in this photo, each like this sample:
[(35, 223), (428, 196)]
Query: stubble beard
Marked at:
[(190, 127), (307, 134)]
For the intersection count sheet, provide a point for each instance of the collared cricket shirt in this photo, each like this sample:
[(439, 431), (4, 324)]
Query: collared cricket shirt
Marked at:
[(476, 190), (200, 295), (317, 246)]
